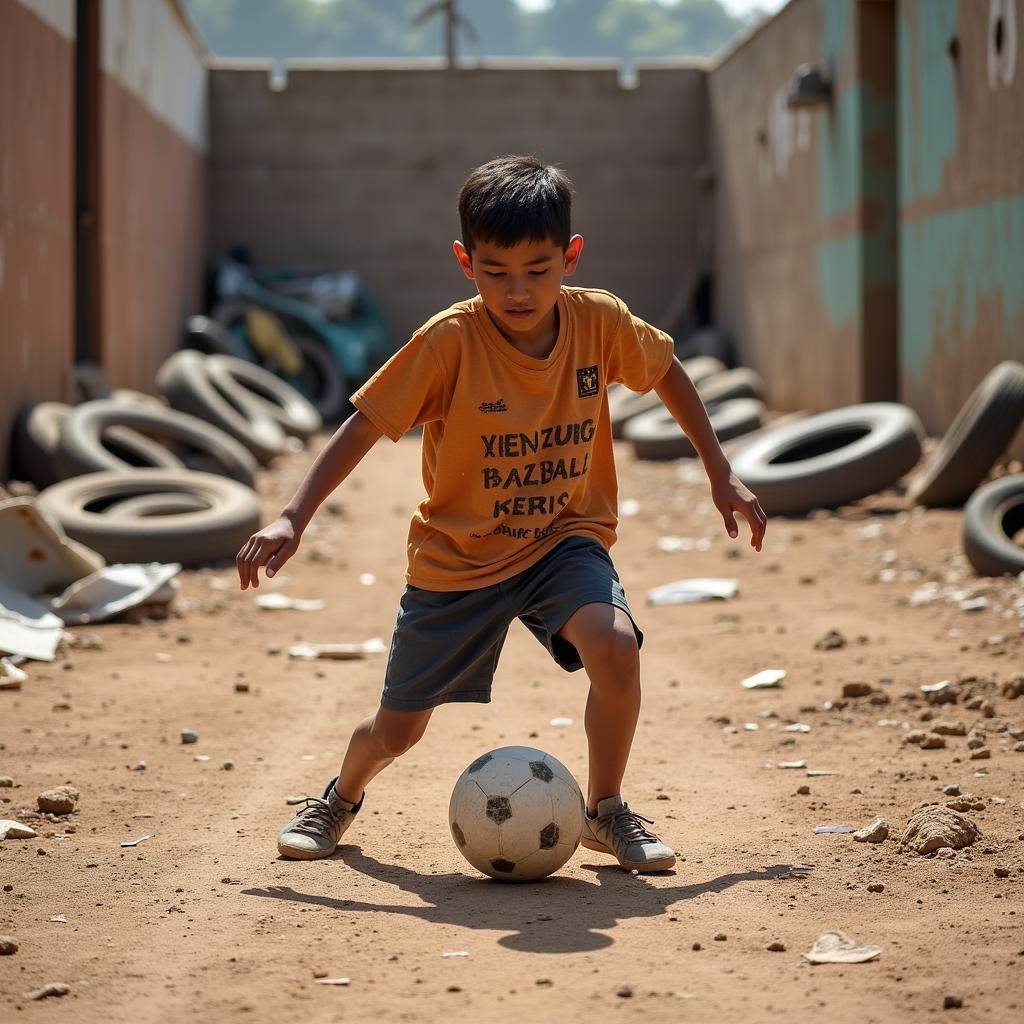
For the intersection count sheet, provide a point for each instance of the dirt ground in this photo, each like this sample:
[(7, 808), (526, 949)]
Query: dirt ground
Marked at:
[(204, 922)]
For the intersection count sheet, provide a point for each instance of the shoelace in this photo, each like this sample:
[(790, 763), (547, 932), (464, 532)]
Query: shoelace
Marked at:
[(626, 823), (317, 816)]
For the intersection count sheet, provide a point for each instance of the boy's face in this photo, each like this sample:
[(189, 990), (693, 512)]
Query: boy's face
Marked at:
[(519, 285)]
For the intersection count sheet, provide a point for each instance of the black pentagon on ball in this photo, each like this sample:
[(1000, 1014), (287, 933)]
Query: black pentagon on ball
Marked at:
[(500, 864), (498, 809), (478, 763), (458, 833), (541, 771), (548, 836)]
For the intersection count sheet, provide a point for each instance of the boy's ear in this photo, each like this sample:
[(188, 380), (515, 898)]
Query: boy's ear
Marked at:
[(465, 260), (572, 254)]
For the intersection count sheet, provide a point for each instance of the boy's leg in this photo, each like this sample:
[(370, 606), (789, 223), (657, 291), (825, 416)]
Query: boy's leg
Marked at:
[(375, 743), (604, 637), (317, 829)]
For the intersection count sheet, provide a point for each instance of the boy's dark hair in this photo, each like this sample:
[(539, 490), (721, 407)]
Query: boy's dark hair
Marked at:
[(513, 199)]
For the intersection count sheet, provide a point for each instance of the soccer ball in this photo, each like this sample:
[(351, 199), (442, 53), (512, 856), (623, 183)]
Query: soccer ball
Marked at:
[(516, 814)]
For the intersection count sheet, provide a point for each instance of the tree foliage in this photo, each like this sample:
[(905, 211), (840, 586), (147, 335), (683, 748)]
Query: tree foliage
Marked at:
[(384, 28)]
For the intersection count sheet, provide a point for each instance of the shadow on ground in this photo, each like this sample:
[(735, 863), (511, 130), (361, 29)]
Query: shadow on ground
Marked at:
[(560, 915)]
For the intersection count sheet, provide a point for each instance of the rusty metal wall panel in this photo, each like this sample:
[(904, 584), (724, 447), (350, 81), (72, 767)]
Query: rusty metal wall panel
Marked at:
[(360, 168), (36, 232), (152, 236), (805, 205), (961, 112)]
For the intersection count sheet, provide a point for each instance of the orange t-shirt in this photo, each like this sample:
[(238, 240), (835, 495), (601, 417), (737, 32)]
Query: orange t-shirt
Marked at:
[(517, 451)]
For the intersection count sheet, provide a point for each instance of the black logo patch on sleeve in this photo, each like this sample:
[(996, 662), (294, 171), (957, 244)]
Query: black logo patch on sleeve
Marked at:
[(587, 382)]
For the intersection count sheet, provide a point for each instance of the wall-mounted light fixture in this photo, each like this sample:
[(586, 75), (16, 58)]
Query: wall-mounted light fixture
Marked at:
[(809, 87)]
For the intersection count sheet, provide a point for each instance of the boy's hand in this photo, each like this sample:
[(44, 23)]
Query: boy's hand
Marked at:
[(272, 546), (731, 495)]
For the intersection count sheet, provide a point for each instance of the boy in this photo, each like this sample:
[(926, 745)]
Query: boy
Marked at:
[(521, 498)]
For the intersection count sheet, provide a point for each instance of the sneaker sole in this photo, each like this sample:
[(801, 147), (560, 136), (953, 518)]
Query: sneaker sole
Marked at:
[(292, 854), (655, 865)]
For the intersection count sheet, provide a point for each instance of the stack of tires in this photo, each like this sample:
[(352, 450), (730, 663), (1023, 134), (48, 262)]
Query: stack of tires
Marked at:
[(170, 479), (847, 454)]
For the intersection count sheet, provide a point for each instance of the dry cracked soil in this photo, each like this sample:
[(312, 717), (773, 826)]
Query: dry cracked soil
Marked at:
[(203, 921)]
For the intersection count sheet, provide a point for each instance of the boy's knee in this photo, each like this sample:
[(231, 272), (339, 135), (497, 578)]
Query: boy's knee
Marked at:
[(395, 735), (617, 652)]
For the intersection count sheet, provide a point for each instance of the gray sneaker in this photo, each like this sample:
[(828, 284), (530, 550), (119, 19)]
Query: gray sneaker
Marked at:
[(317, 829), (618, 830)]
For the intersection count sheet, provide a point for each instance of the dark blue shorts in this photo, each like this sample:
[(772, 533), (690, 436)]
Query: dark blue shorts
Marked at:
[(446, 643)]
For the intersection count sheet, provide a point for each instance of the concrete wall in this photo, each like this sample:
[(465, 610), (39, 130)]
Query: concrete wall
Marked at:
[(805, 204), (36, 205), (358, 166), (962, 192), (153, 196)]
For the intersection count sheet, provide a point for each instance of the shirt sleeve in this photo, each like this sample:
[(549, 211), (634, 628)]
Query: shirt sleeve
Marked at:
[(407, 391), (638, 355)]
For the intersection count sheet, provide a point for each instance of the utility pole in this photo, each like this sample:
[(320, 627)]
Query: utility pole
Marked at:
[(453, 21)]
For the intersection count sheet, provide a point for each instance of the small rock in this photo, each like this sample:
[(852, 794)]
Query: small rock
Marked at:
[(697, 947), (987, 709), (453, 988), (876, 832), (624, 992), (1001, 872), (8, 945), (776, 947), (975, 741), (546, 982), (59, 800), (933, 741), (981, 754), (917, 736), (1018, 748), (720, 937), (831, 641), (189, 736), (241, 687), (876, 887), (320, 974), (53, 988), (934, 828), (1013, 688), (228, 766), (803, 791), (951, 790), (663, 796), (140, 767), (946, 728), (952, 1003), (6, 782), (857, 689)]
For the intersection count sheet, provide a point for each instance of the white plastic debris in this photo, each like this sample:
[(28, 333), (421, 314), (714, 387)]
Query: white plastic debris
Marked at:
[(796, 727), (815, 773), (11, 677), (10, 829), (27, 626), (837, 948), (333, 981), (59, 919), (792, 764), (455, 952), (940, 687), (560, 722), (367, 579), (693, 591), (628, 507), (337, 652), (116, 588), (824, 830), (764, 679), (672, 543), (282, 601), (751, 726), (135, 842)]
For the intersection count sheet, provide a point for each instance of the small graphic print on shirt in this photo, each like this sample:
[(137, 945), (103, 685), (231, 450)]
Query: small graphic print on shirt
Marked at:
[(498, 406), (587, 381)]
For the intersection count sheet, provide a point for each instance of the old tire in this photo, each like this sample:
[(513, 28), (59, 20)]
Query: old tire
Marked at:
[(164, 503), (993, 515), (832, 458), (321, 379), (981, 431), (80, 450), (739, 383), (656, 435), (37, 444), (186, 384), (214, 533), (624, 404), (244, 385)]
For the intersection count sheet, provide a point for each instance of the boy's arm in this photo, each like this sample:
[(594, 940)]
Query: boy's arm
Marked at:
[(729, 494), (275, 544)]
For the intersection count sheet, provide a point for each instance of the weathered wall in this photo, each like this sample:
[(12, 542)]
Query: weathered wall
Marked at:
[(36, 236), (358, 166), (152, 172), (805, 204), (961, 117)]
